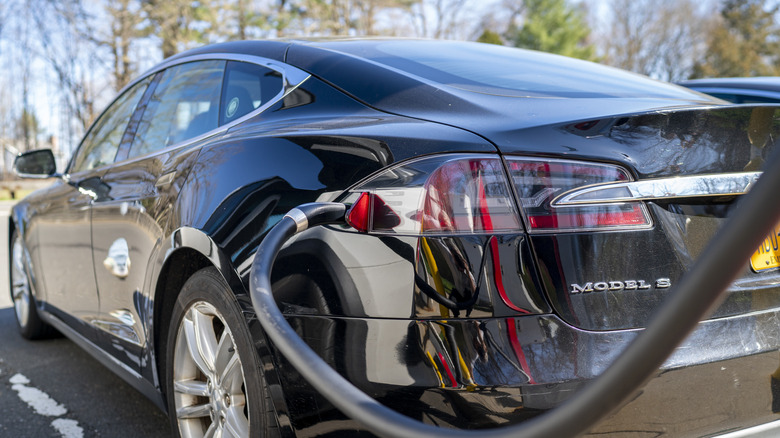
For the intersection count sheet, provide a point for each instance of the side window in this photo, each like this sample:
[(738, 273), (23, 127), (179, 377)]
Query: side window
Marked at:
[(246, 88), (184, 105), (101, 143)]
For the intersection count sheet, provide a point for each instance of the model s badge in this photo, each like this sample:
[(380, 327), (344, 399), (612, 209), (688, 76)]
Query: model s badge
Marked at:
[(602, 286)]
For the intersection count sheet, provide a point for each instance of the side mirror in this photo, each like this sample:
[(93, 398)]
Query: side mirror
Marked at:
[(36, 164)]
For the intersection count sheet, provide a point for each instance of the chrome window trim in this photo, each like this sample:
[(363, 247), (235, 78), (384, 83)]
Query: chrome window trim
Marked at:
[(726, 184), (292, 78)]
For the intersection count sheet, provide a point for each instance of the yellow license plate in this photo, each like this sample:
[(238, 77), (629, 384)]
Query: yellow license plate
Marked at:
[(768, 254)]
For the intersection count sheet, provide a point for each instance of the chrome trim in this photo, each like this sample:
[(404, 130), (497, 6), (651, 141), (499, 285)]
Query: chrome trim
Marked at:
[(291, 75), (292, 78), (301, 221), (727, 184)]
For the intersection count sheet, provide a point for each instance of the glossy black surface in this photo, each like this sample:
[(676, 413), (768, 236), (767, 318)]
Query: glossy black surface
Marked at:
[(110, 247)]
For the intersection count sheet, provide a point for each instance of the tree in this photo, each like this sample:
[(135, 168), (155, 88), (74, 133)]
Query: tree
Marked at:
[(61, 35), (339, 17), (745, 43), (28, 129), (179, 24), (553, 26), (125, 30), (490, 37), (659, 38), (439, 18)]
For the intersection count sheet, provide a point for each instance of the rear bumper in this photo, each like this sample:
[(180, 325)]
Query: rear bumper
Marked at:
[(489, 372)]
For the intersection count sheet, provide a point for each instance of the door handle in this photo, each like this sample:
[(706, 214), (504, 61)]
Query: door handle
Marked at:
[(118, 260)]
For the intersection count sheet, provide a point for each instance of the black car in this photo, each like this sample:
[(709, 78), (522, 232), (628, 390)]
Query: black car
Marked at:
[(739, 90), (521, 216)]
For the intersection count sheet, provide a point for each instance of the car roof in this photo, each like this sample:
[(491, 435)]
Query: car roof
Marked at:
[(468, 66), (271, 49), (455, 81)]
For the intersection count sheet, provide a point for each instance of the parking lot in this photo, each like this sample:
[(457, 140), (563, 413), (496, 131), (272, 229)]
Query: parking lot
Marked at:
[(52, 388)]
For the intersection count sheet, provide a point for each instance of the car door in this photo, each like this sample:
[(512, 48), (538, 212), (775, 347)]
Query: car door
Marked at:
[(128, 226), (61, 226)]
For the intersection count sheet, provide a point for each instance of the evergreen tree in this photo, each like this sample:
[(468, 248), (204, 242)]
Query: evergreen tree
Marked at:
[(490, 37), (745, 43), (553, 26)]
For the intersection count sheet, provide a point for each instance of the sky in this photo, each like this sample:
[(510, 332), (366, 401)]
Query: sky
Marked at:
[(43, 92)]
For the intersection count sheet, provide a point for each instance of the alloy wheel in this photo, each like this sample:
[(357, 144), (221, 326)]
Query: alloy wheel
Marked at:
[(208, 379), (20, 285)]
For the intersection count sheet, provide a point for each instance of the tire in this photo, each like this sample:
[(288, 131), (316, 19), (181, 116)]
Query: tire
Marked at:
[(27, 319), (215, 384)]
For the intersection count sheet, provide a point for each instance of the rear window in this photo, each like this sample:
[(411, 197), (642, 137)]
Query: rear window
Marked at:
[(505, 71)]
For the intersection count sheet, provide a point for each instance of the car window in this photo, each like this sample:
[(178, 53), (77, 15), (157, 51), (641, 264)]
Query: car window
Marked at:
[(101, 143), (184, 105), (246, 88)]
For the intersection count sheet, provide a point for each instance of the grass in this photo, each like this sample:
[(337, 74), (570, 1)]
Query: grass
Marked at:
[(5, 194)]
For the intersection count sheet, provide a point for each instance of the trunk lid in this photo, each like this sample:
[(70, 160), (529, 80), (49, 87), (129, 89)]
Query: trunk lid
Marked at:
[(614, 279)]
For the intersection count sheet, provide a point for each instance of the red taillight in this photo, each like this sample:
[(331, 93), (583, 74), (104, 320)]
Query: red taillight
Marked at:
[(538, 182), (448, 194), (468, 196), (358, 216), (471, 194), (370, 212), (577, 220)]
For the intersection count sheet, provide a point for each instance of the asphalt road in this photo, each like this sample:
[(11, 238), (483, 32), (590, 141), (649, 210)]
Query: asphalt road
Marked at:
[(52, 388)]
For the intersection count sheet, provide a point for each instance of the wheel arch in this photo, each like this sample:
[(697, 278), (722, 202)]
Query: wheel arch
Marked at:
[(187, 251), (184, 253)]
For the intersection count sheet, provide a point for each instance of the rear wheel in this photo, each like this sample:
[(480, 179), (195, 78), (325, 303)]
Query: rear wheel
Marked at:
[(27, 319), (215, 383)]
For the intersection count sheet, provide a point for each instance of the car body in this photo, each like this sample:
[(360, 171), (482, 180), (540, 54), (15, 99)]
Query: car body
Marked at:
[(527, 212), (763, 89)]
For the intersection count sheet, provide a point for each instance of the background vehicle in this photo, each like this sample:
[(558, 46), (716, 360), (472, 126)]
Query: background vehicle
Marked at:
[(739, 90), (523, 214)]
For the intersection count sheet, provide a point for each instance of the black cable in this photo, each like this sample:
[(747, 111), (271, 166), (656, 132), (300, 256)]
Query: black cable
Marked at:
[(693, 298)]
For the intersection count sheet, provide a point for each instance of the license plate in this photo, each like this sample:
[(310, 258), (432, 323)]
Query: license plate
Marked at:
[(767, 256)]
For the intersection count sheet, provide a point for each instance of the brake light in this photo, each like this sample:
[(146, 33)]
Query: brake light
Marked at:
[(471, 194), (447, 194), (539, 182), (370, 212)]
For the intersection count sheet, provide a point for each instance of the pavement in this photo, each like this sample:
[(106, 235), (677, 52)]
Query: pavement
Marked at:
[(52, 388)]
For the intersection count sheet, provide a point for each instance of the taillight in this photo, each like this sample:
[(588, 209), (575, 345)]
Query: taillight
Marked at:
[(456, 194), (448, 194), (540, 182)]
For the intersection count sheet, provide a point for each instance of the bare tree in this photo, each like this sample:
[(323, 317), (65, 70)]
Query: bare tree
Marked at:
[(441, 18), (660, 38), (125, 29), (73, 58), (180, 24), (743, 42)]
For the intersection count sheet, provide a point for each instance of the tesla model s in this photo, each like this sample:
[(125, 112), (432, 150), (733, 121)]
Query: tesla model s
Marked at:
[(516, 219)]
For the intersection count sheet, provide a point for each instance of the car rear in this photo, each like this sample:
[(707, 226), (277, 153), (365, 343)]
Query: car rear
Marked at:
[(500, 283)]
